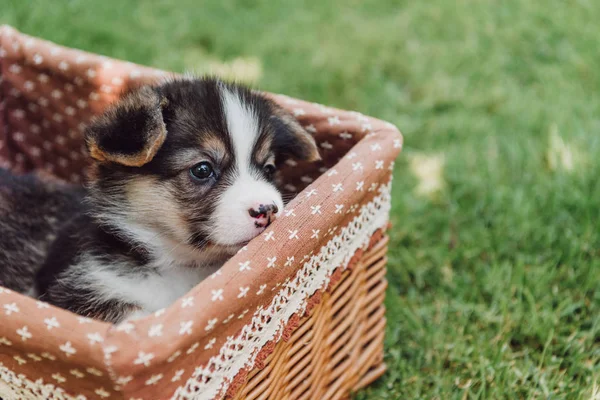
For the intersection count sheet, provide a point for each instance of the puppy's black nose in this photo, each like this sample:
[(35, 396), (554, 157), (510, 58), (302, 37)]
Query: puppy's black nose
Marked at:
[(263, 214)]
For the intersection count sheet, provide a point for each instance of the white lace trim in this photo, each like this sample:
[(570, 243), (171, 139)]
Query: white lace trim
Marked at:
[(267, 324), (13, 386)]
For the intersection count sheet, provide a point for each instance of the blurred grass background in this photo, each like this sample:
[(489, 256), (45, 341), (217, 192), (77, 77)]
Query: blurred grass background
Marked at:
[(495, 256)]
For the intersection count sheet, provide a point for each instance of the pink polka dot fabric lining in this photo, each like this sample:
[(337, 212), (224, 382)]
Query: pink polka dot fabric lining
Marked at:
[(203, 341)]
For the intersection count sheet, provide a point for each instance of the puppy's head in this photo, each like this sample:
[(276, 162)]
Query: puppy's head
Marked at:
[(192, 162)]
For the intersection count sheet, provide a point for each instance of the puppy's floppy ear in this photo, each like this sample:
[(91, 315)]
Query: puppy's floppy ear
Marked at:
[(291, 139), (129, 132)]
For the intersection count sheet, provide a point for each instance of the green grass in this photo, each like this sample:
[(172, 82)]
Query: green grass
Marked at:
[(495, 272)]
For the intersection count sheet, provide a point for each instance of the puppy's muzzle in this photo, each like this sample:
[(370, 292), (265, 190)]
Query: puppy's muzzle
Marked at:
[(263, 214)]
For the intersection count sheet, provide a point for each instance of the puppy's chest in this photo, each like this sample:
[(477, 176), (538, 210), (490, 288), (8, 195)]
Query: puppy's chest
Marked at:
[(158, 289)]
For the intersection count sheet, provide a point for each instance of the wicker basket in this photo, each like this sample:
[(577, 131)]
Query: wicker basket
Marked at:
[(296, 314)]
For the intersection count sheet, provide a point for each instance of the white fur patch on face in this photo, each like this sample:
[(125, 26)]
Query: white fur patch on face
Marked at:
[(232, 221), (242, 124)]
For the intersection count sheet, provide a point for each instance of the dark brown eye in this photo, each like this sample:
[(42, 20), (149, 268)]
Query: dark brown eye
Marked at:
[(202, 171), (269, 170)]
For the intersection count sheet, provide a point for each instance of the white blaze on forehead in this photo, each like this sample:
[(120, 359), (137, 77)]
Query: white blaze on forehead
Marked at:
[(232, 223), (242, 124)]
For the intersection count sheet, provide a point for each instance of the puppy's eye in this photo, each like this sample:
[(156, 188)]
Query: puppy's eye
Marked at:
[(269, 170), (202, 171)]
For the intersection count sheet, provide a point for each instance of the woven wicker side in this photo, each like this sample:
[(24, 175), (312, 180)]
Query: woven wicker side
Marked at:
[(336, 350)]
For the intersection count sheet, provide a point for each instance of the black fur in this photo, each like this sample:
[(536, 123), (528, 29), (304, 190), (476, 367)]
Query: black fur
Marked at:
[(80, 237), (31, 214)]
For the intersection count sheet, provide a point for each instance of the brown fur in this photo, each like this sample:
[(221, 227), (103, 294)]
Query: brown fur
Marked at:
[(263, 152), (154, 201)]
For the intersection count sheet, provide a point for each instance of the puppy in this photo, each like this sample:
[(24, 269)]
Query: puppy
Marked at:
[(183, 177)]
